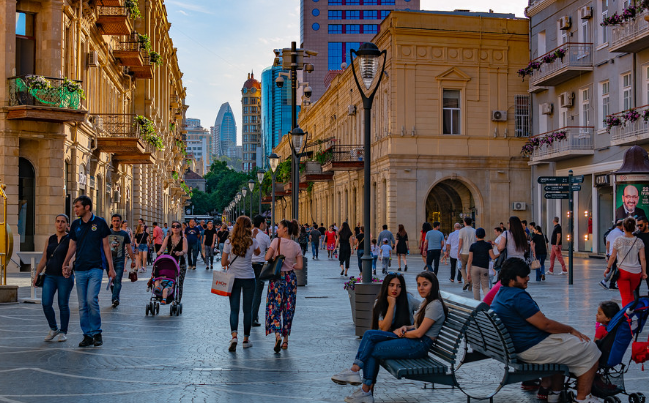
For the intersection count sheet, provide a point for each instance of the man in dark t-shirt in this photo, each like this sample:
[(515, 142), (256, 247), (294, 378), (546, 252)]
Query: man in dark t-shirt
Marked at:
[(555, 247), (643, 234), (193, 235), (88, 242), (209, 240), (120, 243), (314, 236), (322, 230)]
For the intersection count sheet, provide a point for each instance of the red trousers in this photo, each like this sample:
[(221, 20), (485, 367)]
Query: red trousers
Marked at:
[(627, 283), (556, 252)]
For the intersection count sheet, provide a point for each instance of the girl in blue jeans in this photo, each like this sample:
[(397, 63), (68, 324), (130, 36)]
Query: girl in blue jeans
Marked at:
[(405, 342)]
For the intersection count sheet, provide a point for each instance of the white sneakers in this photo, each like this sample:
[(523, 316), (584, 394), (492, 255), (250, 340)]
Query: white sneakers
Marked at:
[(247, 344), (52, 334), (233, 345), (347, 377), (589, 399), (554, 397), (359, 396)]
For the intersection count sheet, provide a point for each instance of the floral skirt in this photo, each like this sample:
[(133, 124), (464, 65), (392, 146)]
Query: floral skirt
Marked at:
[(280, 304)]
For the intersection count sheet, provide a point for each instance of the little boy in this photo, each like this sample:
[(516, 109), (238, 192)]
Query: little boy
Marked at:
[(162, 288), (386, 253), (605, 313), (375, 255)]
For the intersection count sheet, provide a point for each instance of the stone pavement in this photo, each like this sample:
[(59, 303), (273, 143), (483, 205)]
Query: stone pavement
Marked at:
[(185, 358)]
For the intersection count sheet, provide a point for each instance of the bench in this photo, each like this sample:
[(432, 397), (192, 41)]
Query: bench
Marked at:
[(473, 352)]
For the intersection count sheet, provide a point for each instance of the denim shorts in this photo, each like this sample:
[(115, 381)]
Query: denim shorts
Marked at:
[(142, 247)]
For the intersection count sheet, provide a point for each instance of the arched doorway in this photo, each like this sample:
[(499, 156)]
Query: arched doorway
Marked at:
[(448, 202), (26, 206)]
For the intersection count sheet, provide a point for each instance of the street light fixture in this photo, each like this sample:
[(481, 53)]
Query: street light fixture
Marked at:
[(244, 192), (273, 161), (368, 60), (238, 198), (260, 179), (296, 141), (251, 186)]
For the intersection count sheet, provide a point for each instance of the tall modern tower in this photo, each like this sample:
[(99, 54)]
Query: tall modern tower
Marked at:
[(224, 131), (250, 102), (333, 27), (275, 112)]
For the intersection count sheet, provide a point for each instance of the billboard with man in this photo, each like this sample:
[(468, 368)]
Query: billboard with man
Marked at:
[(632, 200)]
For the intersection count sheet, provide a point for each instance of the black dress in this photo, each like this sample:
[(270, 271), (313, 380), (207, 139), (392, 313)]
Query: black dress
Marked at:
[(181, 262), (402, 248), (345, 252)]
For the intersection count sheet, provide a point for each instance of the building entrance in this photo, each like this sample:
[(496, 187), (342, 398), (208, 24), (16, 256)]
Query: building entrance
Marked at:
[(449, 202)]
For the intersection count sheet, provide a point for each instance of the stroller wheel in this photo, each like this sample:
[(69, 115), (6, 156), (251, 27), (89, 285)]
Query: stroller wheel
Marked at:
[(180, 311), (636, 398), (171, 310), (612, 399), (148, 308), (152, 308), (157, 308)]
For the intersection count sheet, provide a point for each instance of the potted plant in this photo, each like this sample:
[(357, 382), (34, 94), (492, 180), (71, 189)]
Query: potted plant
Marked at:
[(155, 58), (133, 9), (350, 286), (144, 41)]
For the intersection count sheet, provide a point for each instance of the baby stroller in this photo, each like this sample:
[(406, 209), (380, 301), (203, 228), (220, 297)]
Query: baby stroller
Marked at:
[(166, 268), (624, 328)]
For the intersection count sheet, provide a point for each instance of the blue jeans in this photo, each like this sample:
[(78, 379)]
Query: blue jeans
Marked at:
[(360, 254), (117, 282), (88, 286), (540, 271), (374, 259), (259, 289), (314, 249), (247, 285), (192, 254), (378, 345), (52, 284)]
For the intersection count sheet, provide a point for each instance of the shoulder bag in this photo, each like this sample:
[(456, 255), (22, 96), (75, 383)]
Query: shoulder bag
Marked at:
[(500, 260), (613, 275), (273, 268)]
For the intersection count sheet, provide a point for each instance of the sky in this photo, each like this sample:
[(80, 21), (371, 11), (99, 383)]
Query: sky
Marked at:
[(220, 41)]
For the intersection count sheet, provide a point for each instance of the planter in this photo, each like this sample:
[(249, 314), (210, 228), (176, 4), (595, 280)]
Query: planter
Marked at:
[(352, 303), (312, 167)]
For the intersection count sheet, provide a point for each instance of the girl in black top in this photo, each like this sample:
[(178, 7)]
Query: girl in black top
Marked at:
[(141, 247), (539, 246), (345, 252), (402, 247), (56, 280), (175, 245)]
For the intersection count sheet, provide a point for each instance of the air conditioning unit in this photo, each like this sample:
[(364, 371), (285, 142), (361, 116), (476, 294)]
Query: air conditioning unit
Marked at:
[(567, 99), (564, 22), (499, 116), (519, 206), (546, 108), (351, 110), (586, 12), (93, 59)]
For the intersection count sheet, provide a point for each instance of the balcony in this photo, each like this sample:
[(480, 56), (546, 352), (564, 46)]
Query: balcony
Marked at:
[(313, 173), (344, 158), (113, 20), (579, 141), (128, 54), (44, 99), (288, 188), (111, 3), (577, 60), (632, 35), (145, 71), (119, 135), (631, 132)]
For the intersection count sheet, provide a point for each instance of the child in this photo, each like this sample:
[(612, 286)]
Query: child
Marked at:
[(605, 313), (375, 255), (386, 254), (162, 287), (444, 254)]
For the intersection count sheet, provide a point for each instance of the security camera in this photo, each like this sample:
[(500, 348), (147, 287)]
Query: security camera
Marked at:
[(279, 82), (308, 91), (308, 68), (311, 53)]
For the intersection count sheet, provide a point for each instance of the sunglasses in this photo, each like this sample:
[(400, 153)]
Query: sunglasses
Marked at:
[(394, 273), (175, 226)]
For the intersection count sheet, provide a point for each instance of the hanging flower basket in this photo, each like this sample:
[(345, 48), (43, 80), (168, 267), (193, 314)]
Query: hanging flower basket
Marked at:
[(612, 121), (536, 142)]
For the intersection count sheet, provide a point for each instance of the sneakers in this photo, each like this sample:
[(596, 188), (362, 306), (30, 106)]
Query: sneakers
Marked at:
[(564, 272), (347, 377), (62, 337), (233, 345), (51, 335), (589, 399), (98, 340), (255, 323), (603, 284), (115, 303), (554, 397), (359, 396), (246, 344), (87, 341)]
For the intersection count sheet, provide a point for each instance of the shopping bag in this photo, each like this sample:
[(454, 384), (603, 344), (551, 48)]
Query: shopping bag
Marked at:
[(222, 283)]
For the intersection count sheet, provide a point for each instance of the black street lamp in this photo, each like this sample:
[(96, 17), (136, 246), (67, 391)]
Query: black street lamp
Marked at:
[(260, 179), (368, 55), (251, 186), (273, 161)]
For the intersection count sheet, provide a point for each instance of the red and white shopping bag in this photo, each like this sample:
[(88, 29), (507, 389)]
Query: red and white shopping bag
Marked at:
[(222, 283)]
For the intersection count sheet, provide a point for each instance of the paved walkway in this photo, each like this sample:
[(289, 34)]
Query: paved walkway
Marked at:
[(165, 358)]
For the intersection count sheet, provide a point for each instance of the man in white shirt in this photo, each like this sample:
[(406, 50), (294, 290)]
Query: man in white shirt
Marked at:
[(258, 263), (467, 238), (610, 238), (452, 244)]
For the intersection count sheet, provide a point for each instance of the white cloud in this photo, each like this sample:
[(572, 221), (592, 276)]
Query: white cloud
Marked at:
[(182, 12)]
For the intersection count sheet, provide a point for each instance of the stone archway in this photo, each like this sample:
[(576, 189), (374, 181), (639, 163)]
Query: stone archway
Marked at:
[(448, 202)]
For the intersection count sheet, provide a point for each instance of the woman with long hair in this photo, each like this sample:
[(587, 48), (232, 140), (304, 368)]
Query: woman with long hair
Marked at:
[(141, 248), (330, 237), (629, 252), (281, 295), (237, 258), (345, 251), (514, 239), (402, 247), (425, 227), (175, 245), (539, 246), (405, 342), (394, 306)]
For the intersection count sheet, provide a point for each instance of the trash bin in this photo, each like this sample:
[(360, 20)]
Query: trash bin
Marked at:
[(302, 274)]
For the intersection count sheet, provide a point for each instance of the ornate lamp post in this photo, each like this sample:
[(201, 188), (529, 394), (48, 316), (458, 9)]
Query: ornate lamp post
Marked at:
[(368, 55), (244, 192), (239, 206), (260, 179), (251, 186), (273, 161), (296, 141)]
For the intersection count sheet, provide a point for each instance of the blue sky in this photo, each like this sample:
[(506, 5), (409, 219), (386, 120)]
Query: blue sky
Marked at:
[(219, 42)]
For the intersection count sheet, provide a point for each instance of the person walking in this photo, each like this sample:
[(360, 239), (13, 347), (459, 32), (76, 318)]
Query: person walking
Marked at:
[(425, 227), (314, 238), (643, 234), (158, 236), (322, 230), (119, 242), (237, 259), (358, 244), (345, 248), (303, 239), (331, 242), (632, 265), (433, 245), (223, 234), (514, 240), (263, 240), (209, 241), (480, 254), (55, 280), (555, 251), (193, 235), (281, 296), (165, 230), (452, 244), (175, 245), (467, 238), (88, 240), (403, 248), (141, 247), (539, 246), (612, 235), (386, 255), (386, 234)]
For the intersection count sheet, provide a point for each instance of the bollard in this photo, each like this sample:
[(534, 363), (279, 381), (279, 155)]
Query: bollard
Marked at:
[(302, 274)]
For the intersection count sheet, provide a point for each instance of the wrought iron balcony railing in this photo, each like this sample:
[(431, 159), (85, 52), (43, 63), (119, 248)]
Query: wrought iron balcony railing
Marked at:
[(45, 91), (636, 132), (579, 141), (578, 58)]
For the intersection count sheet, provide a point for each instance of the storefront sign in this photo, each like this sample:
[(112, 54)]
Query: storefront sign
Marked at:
[(632, 199), (602, 180), (632, 178), (82, 180)]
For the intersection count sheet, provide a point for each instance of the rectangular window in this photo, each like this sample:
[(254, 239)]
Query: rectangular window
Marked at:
[(353, 3), (522, 115), (352, 15), (627, 100), (585, 31), (370, 29), (541, 44), (604, 30), (370, 15), (335, 2), (585, 107), (451, 112), (387, 2), (335, 55), (371, 3), (25, 44), (384, 13), (335, 14), (604, 89), (335, 28), (353, 29)]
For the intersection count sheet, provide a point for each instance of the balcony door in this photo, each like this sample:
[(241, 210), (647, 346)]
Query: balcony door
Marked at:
[(25, 44)]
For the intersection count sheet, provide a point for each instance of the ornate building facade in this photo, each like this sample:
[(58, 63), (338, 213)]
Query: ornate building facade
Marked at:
[(251, 139)]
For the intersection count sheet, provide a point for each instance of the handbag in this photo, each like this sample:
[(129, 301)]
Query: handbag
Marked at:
[(640, 352), (273, 268), (500, 260), (535, 264), (132, 275)]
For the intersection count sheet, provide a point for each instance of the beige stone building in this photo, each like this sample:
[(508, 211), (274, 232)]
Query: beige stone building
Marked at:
[(448, 123), (57, 143)]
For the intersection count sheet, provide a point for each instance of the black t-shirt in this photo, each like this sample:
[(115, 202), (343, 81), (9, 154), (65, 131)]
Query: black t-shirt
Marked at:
[(644, 237), (555, 232), (223, 236), (322, 230), (359, 239), (481, 256), (539, 244), (345, 236), (141, 238), (315, 235), (357, 230), (117, 241), (89, 237), (56, 256), (208, 236)]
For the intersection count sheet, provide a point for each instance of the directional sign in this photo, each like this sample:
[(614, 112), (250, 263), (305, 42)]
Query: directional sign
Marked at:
[(553, 180), (557, 195), (578, 179), (576, 188), (556, 188)]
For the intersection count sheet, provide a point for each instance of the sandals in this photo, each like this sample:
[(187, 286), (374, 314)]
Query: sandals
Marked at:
[(278, 344), (285, 345)]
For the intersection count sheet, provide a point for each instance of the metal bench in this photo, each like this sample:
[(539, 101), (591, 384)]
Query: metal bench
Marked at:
[(473, 352)]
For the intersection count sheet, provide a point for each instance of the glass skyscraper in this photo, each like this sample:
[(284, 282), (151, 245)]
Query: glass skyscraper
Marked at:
[(224, 131)]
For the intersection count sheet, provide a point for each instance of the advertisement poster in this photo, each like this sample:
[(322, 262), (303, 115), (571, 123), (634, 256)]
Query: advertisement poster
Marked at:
[(632, 200)]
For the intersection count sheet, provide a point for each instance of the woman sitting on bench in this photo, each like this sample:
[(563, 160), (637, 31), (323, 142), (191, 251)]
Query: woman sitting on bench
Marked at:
[(406, 342)]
